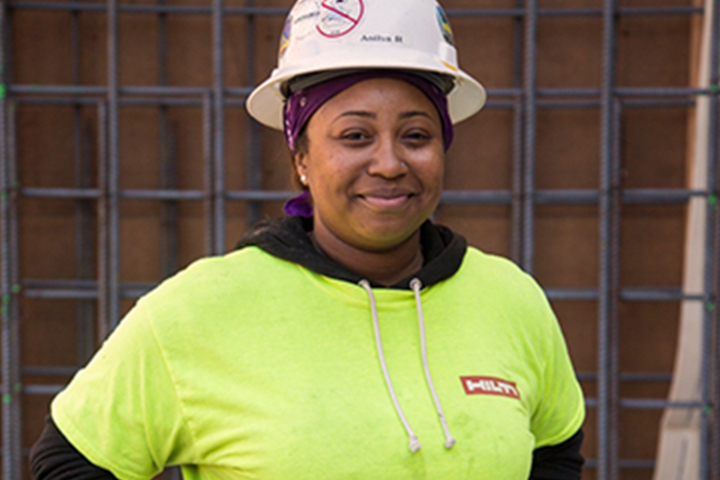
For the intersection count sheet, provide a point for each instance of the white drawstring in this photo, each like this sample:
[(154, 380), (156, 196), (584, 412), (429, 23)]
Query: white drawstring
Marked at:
[(416, 286), (414, 443)]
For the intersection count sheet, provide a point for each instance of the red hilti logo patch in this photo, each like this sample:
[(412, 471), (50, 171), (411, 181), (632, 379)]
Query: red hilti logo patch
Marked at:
[(490, 386)]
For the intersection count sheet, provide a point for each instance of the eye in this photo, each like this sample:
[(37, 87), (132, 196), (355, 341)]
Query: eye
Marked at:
[(355, 136), (417, 137)]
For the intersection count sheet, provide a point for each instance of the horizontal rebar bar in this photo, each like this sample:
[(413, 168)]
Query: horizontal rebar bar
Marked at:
[(87, 289), (627, 464), (635, 294), (575, 197), (649, 404), (240, 102), (49, 390), (590, 402), (100, 90), (667, 196), (53, 371), (53, 289), (157, 9), (269, 11), (630, 377)]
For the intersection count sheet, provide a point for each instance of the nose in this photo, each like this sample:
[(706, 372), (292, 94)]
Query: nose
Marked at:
[(387, 160)]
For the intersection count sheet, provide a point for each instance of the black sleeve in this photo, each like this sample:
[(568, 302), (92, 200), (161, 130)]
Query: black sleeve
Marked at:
[(54, 458), (559, 462)]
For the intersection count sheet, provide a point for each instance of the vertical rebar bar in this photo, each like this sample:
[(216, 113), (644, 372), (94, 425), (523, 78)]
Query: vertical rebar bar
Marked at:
[(8, 291), (5, 260), (607, 463), (83, 208), (15, 287), (530, 75), (518, 192), (219, 124), (714, 456), (254, 132), (113, 169), (168, 178), (614, 267), (103, 320), (516, 208), (209, 211), (168, 163), (710, 259)]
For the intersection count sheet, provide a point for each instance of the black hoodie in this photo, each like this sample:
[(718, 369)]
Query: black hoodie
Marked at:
[(288, 238)]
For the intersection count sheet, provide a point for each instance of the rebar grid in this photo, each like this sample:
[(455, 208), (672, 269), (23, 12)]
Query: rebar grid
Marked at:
[(524, 98)]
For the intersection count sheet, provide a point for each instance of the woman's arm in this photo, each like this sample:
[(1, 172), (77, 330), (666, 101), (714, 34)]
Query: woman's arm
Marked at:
[(559, 462), (54, 458)]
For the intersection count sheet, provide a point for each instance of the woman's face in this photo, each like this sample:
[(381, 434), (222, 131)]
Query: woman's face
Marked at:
[(374, 163)]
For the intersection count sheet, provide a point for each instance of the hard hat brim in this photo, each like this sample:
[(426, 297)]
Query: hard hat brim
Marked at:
[(266, 102)]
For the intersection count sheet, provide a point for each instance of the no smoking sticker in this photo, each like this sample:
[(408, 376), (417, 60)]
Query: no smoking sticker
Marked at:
[(339, 17)]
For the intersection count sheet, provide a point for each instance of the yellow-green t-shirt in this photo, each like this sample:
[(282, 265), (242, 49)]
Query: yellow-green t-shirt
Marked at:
[(250, 367)]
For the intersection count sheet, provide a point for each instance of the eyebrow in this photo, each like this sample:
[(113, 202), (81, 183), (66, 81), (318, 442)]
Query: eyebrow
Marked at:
[(357, 113), (366, 114), (414, 113)]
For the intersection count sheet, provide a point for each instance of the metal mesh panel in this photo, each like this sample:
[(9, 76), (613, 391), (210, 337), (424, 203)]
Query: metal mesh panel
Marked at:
[(157, 164)]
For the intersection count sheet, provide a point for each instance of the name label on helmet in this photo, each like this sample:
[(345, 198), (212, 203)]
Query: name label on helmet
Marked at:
[(377, 38)]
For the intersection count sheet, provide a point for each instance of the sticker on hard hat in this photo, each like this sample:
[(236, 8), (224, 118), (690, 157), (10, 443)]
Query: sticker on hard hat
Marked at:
[(339, 17), (445, 26), (305, 16), (285, 37)]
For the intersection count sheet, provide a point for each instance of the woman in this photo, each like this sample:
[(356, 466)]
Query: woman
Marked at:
[(353, 339)]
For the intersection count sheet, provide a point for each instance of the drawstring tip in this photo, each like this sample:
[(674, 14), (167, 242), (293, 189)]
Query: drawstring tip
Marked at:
[(414, 444), (449, 443)]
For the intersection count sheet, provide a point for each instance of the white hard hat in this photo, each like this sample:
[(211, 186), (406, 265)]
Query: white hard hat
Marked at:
[(337, 35)]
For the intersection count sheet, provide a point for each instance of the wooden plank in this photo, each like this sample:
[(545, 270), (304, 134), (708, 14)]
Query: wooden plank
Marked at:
[(678, 453)]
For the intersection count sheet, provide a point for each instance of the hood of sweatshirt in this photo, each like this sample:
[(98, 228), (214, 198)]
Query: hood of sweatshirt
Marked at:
[(288, 238)]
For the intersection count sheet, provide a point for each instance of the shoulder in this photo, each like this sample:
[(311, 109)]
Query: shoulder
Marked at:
[(501, 284), (496, 272), (223, 272), (213, 283)]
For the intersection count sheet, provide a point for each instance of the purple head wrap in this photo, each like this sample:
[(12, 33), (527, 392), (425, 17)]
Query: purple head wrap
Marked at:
[(303, 103)]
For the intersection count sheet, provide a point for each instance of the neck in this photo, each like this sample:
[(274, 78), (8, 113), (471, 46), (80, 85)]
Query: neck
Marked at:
[(385, 267)]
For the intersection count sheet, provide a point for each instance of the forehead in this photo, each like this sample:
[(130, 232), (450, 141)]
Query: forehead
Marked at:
[(378, 95)]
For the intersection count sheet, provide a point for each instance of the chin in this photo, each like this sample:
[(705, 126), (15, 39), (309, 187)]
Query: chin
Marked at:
[(386, 239)]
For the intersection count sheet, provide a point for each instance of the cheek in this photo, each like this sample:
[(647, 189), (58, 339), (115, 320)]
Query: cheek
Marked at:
[(433, 172), (337, 171)]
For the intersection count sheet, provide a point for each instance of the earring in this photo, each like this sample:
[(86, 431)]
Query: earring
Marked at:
[(303, 179)]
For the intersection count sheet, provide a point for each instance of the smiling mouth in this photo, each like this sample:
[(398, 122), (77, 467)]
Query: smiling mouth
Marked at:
[(387, 202)]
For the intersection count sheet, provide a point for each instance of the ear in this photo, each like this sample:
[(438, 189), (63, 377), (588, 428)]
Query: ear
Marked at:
[(300, 164)]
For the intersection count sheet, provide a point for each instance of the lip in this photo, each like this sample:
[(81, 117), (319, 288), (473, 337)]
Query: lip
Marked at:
[(387, 199)]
